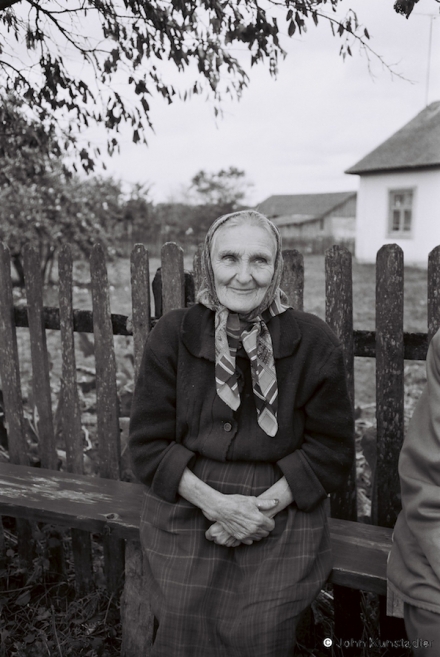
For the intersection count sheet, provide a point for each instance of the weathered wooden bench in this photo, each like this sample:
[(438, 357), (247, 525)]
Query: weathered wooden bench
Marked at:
[(110, 507)]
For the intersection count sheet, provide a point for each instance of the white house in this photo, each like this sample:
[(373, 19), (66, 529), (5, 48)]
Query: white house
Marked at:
[(399, 191), (313, 216)]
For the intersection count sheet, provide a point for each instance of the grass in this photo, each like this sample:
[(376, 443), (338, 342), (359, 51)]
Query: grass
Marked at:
[(40, 614)]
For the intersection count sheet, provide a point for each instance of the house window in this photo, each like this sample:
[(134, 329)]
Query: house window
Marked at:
[(401, 212)]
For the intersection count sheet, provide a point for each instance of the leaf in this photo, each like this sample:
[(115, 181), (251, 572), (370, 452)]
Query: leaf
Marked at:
[(292, 28)]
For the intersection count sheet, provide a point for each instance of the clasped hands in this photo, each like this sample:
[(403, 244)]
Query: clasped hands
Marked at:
[(242, 519)]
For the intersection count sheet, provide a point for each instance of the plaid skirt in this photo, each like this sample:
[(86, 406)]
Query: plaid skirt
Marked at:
[(216, 601)]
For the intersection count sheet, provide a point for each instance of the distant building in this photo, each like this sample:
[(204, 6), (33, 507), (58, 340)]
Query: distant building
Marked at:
[(399, 191), (311, 217)]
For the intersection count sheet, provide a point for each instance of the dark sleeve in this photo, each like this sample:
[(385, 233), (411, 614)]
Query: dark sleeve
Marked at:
[(323, 462), (157, 459)]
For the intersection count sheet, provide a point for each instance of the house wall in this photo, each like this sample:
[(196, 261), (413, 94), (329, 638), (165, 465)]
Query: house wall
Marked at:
[(343, 221), (373, 209), (307, 230), (343, 228)]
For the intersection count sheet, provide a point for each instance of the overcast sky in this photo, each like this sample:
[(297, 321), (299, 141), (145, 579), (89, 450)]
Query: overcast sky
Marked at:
[(298, 133)]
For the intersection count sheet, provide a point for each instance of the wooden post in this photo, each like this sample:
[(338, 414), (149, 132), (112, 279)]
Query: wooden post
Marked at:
[(9, 366), (40, 361), (433, 292), (292, 281), (137, 619), (13, 406), (389, 383), (389, 402), (71, 417), (197, 268), (339, 316), (107, 404), (140, 294), (173, 277), (41, 390)]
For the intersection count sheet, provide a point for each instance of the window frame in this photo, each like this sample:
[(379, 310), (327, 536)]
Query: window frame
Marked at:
[(400, 233)]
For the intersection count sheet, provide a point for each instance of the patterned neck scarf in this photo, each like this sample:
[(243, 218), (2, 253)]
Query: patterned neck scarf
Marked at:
[(251, 330)]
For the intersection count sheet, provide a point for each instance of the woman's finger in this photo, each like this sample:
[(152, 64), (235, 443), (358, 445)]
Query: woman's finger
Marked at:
[(266, 505)]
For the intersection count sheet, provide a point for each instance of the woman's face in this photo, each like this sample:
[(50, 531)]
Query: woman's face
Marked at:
[(243, 262)]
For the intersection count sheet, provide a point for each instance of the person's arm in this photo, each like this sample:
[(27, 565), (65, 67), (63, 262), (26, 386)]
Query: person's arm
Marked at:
[(242, 517), (158, 461), (280, 491), (322, 463)]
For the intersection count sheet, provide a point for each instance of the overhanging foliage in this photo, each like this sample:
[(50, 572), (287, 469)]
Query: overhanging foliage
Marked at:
[(129, 42)]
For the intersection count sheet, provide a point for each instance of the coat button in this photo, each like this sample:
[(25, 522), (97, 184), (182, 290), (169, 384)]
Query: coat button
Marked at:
[(227, 426)]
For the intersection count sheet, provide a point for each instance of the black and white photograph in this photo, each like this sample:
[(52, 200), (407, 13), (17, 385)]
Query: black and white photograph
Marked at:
[(220, 328)]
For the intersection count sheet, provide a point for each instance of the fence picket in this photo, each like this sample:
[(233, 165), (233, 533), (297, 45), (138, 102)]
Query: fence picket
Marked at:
[(71, 417), (389, 383), (136, 616), (107, 404), (11, 389), (9, 366), (173, 277), (39, 356), (140, 294), (197, 268), (339, 316), (433, 292), (292, 281)]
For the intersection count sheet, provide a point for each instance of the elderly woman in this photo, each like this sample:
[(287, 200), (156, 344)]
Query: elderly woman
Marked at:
[(241, 426)]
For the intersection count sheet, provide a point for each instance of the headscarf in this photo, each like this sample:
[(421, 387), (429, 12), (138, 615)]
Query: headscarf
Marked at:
[(255, 335)]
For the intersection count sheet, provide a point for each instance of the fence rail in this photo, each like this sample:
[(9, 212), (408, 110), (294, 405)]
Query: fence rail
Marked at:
[(174, 288)]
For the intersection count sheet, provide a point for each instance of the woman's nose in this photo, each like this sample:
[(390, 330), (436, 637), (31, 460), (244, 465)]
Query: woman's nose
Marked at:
[(243, 274)]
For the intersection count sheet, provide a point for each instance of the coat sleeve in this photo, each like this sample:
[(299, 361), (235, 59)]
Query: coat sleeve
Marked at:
[(323, 462), (419, 464), (158, 460)]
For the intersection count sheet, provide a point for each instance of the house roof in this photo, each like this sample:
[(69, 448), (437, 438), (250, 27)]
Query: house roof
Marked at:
[(415, 146), (299, 208)]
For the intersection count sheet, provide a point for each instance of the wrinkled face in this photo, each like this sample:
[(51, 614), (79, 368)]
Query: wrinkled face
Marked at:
[(243, 262)]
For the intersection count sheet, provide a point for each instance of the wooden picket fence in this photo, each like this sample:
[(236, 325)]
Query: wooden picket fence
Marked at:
[(174, 288)]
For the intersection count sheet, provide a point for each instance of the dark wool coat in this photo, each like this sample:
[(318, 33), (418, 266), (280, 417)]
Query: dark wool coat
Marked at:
[(177, 414)]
